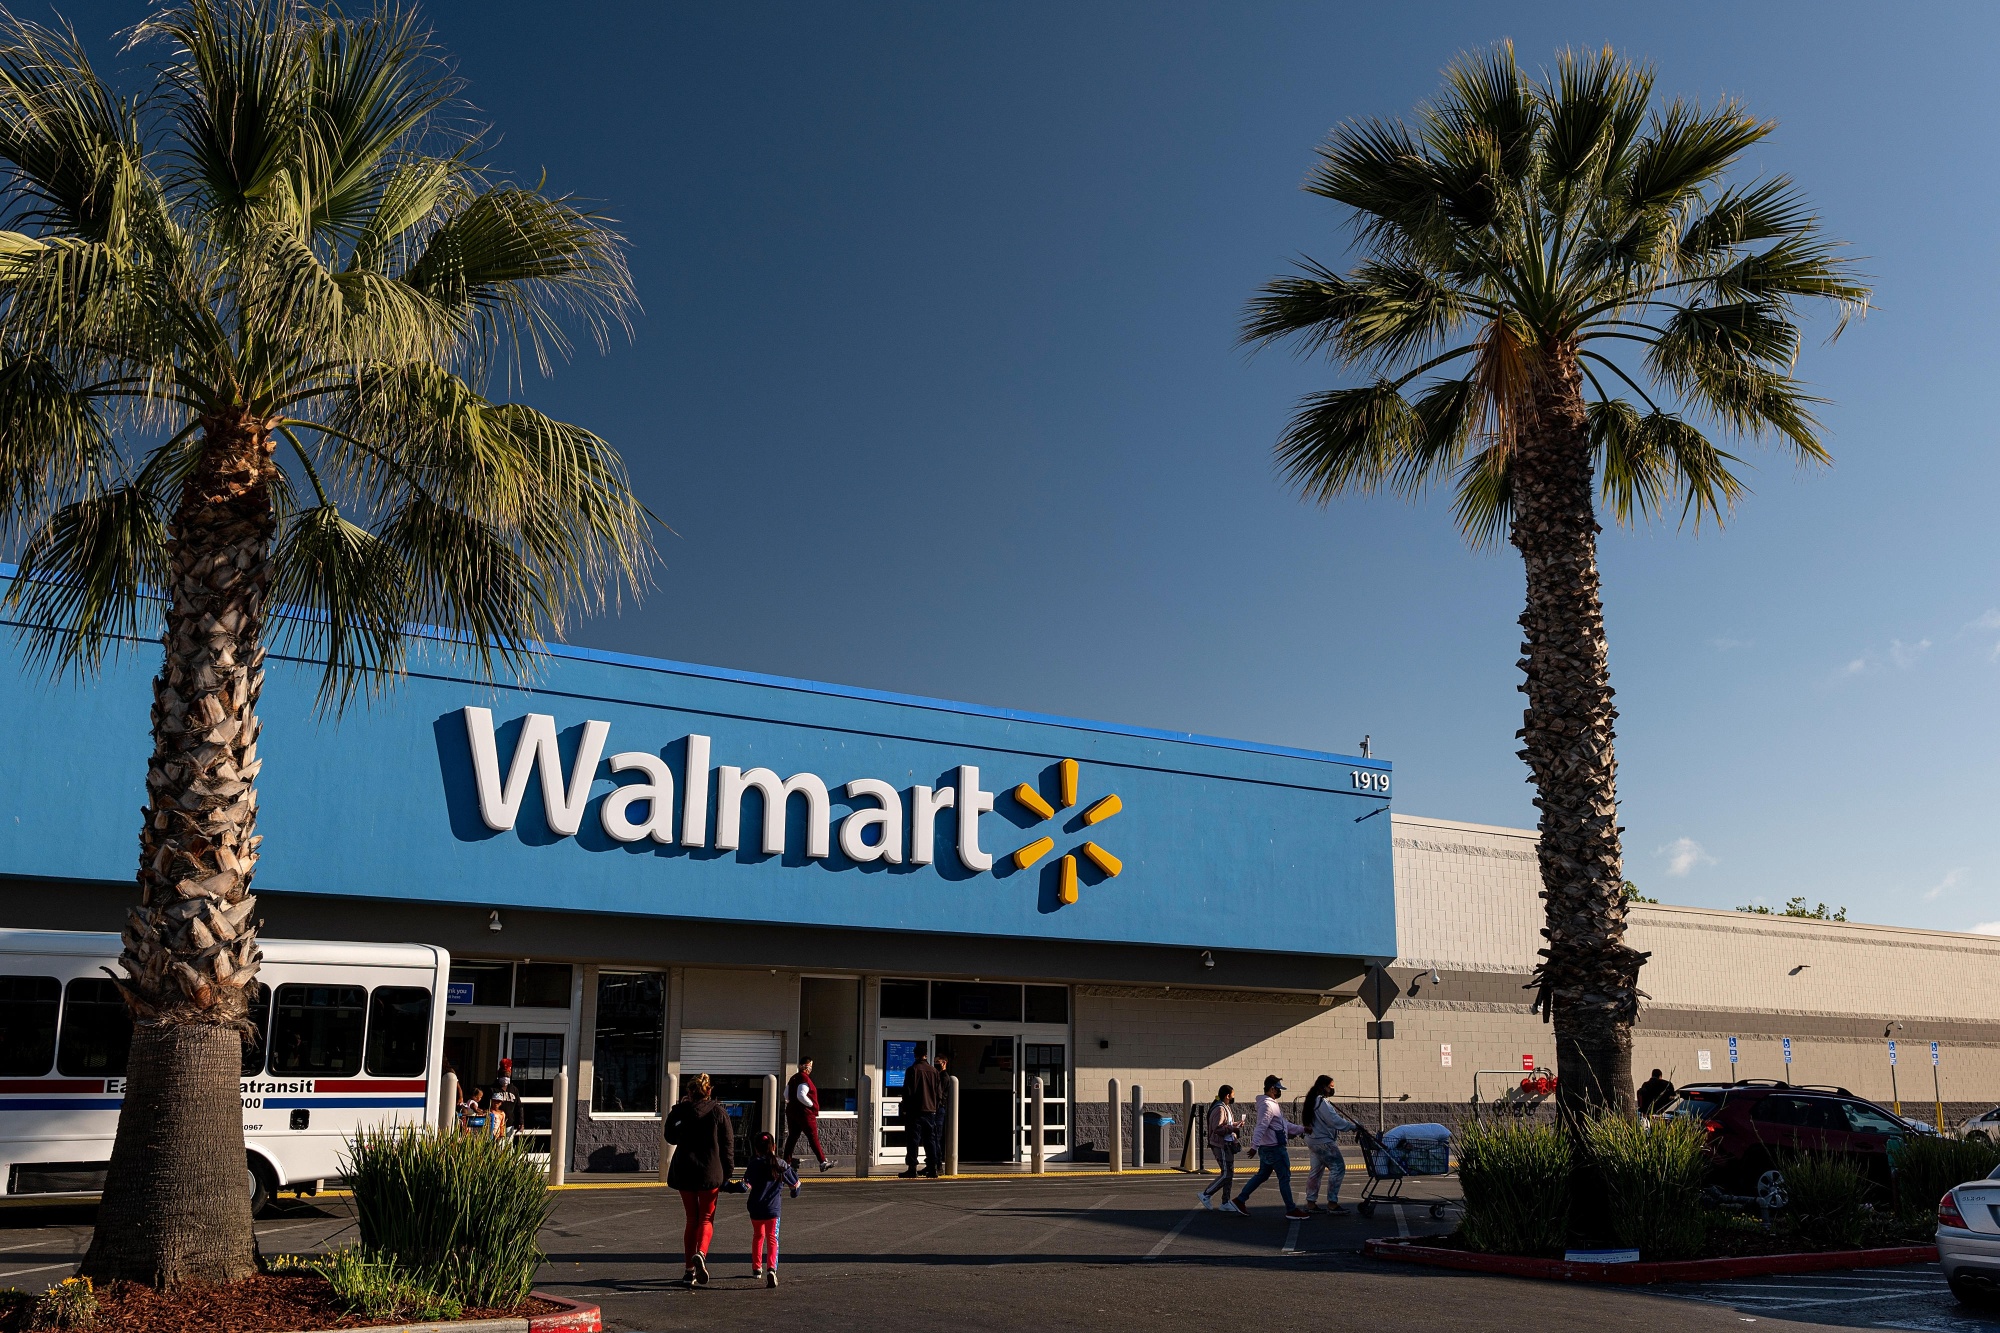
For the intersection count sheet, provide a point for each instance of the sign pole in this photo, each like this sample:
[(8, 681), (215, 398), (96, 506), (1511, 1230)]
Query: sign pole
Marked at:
[(1937, 1091)]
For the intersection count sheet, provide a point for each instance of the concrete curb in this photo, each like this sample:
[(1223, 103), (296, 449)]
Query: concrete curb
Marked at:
[(574, 1317), (1631, 1275)]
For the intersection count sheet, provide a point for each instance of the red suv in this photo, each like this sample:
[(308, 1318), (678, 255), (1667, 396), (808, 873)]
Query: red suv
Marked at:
[(1755, 1124)]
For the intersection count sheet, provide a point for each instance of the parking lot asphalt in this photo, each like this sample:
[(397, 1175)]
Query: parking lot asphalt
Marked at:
[(1062, 1253)]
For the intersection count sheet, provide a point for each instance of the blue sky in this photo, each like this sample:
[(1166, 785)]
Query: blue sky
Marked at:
[(936, 383)]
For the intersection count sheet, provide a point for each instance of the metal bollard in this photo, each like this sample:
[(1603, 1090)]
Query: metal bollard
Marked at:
[(448, 1103), (771, 1105), (950, 1125), (1117, 1146), (1187, 1125), (1138, 1128), (559, 1129), (1037, 1127), (864, 1126)]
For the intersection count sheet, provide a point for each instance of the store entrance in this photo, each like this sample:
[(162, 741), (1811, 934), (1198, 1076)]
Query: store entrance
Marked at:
[(534, 1052), (986, 1069)]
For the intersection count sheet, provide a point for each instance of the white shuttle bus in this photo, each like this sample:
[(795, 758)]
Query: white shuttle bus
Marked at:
[(348, 1035)]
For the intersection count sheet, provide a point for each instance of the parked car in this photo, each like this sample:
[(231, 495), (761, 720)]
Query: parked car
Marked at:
[(1968, 1238), (1983, 1128), (1754, 1124)]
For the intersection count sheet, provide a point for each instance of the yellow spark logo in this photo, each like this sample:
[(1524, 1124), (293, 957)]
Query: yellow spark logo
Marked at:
[(1028, 798)]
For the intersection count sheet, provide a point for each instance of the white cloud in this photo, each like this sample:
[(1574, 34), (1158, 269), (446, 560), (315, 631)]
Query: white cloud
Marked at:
[(1683, 855), (1855, 668), (1991, 620), (1987, 928), (1946, 885), (1905, 655)]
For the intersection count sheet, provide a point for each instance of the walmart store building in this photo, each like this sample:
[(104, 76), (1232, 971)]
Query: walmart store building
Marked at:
[(645, 870)]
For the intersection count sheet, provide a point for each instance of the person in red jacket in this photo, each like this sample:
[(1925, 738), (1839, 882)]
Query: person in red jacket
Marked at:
[(802, 1114)]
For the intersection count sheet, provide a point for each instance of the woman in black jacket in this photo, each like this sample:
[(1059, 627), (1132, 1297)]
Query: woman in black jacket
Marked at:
[(704, 1157)]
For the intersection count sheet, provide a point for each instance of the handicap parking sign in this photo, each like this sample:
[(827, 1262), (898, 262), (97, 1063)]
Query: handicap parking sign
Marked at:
[(1788, 1050), (1732, 1050)]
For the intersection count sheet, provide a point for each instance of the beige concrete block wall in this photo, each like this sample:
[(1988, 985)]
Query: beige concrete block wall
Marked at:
[(1468, 901)]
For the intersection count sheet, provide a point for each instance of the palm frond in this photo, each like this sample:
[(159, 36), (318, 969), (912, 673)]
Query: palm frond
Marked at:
[(346, 596), (89, 578)]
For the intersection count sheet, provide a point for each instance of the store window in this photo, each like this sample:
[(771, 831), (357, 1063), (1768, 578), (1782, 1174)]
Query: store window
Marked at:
[(96, 1030), (631, 1026), (399, 1031), (28, 1024), (318, 1030), (482, 983), (828, 1012), (541, 985), (906, 999), (976, 1001), (1047, 1004)]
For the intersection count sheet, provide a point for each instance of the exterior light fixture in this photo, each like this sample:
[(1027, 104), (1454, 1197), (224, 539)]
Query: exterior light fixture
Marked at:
[(493, 921), (1207, 958)]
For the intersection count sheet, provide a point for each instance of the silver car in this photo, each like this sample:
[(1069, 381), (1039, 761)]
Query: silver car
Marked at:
[(1983, 1128), (1968, 1239)]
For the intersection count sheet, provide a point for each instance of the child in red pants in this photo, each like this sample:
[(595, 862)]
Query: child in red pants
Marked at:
[(766, 1183)]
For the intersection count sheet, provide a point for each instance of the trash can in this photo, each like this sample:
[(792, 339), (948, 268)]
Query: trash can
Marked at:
[(1156, 1137)]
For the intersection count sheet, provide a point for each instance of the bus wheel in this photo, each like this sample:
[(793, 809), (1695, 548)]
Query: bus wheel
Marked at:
[(263, 1187)]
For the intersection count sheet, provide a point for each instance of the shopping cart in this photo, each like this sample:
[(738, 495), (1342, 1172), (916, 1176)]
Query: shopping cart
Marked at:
[(1389, 1165)]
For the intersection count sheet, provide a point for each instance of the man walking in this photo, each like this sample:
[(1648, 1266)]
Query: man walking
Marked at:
[(921, 1101), (1272, 1140), (802, 1114)]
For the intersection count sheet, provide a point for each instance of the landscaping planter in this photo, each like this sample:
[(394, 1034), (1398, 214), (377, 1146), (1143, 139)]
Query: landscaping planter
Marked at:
[(283, 1303), (1682, 1270)]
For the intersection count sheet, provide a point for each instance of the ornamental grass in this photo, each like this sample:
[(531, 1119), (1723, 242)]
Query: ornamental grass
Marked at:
[(456, 1214), (1653, 1176), (1515, 1175)]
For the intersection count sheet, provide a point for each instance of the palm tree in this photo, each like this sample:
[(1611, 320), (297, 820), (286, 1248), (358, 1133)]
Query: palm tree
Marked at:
[(1534, 254), (248, 323)]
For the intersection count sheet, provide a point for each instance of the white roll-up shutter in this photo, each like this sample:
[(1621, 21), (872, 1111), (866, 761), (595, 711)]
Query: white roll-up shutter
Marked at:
[(722, 1051)]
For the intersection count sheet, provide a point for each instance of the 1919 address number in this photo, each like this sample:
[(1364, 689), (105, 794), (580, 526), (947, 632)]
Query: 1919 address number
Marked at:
[(1365, 781)]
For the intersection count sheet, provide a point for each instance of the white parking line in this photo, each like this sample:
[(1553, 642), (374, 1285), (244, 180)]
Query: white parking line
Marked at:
[(837, 1221), (294, 1226), (1291, 1245), (1402, 1220), (943, 1226), (23, 1272), (1050, 1233), (1160, 1245), (574, 1227)]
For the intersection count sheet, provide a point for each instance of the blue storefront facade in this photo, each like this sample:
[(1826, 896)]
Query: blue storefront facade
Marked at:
[(646, 867)]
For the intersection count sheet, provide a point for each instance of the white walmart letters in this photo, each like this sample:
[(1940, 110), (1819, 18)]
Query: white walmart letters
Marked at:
[(563, 803)]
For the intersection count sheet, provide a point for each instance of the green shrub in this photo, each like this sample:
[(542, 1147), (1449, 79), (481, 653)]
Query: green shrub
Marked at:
[(1515, 1175), (458, 1213), (1829, 1200), (1926, 1167), (70, 1303), (377, 1287), (1653, 1178)]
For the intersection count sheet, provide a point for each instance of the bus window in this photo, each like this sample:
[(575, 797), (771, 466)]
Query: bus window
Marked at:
[(399, 1031), (258, 997), (317, 1030), (96, 1030), (28, 1024)]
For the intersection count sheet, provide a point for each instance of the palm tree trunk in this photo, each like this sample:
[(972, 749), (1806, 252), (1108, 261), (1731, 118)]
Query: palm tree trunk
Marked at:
[(1588, 977), (176, 1205)]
